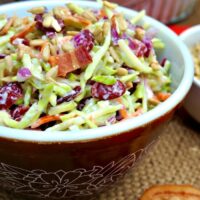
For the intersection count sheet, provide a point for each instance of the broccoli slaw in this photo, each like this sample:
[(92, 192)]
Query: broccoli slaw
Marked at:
[(73, 68)]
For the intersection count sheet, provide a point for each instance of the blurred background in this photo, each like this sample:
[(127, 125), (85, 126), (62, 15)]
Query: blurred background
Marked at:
[(166, 11)]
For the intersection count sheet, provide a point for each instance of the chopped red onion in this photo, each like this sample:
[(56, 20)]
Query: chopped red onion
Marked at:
[(112, 120), (131, 26), (50, 34), (115, 35), (151, 33), (148, 45), (138, 47), (84, 38), (23, 74)]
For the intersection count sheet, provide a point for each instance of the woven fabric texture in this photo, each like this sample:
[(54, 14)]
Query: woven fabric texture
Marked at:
[(174, 159)]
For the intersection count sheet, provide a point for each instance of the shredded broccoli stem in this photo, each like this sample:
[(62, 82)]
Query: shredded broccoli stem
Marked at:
[(84, 118), (98, 56), (107, 80), (64, 107), (5, 39), (66, 124), (131, 59), (3, 22), (27, 96), (138, 17), (86, 51), (75, 8), (157, 43)]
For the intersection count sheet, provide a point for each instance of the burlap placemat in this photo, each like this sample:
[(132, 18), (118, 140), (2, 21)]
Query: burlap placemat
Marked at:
[(174, 159)]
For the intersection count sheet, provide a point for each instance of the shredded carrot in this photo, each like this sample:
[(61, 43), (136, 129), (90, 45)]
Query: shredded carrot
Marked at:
[(102, 13), (44, 120), (162, 96), (24, 32), (123, 112), (137, 112), (7, 26)]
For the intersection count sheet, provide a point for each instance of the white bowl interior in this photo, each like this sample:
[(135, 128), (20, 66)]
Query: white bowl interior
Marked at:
[(191, 37), (182, 75)]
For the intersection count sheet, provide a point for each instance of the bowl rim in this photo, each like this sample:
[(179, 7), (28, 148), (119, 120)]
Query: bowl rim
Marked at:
[(192, 31), (118, 128)]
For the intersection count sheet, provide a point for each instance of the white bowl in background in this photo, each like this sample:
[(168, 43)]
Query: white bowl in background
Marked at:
[(192, 103)]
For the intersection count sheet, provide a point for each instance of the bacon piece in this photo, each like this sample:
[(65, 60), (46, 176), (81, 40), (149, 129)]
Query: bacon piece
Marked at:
[(65, 64), (24, 32), (169, 192), (82, 56), (71, 61)]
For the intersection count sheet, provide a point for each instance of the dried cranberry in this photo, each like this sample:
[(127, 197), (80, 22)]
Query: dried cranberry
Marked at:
[(151, 33), (82, 103), (9, 94), (163, 61), (26, 42), (84, 38), (133, 89), (90, 82), (107, 92), (19, 112), (2, 56), (70, 96)]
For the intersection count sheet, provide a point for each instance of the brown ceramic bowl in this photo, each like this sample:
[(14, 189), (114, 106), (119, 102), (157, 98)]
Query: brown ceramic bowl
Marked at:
[(78, 165)]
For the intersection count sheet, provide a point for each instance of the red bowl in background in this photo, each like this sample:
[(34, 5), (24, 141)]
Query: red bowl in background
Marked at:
[(166, 11)]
